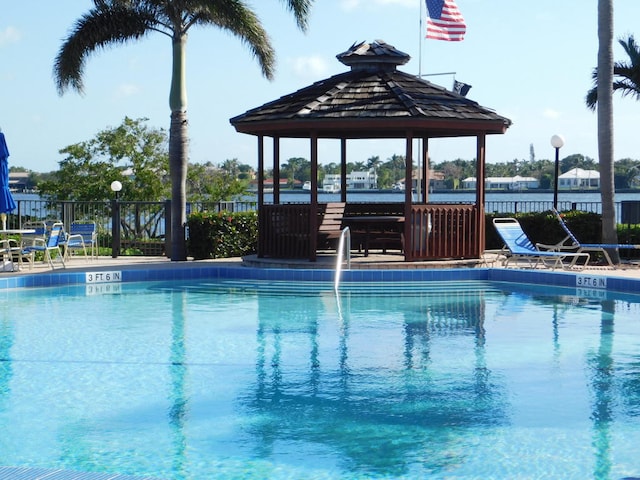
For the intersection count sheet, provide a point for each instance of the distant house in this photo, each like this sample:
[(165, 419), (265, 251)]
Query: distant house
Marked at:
[(503, 183), (355, 181), (362, 180), (436, 180), (18, 181), (577, 178), (268, 184)]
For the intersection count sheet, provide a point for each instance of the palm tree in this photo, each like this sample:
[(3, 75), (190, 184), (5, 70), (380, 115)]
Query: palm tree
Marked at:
[(605, 123), (113, 22), (627, 74)]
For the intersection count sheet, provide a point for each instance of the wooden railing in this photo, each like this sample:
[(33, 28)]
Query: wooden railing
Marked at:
[(435, 231), (442, 231), (284, 231)]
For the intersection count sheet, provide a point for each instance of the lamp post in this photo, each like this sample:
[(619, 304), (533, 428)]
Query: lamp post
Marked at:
[(116, 186), (557, 141)]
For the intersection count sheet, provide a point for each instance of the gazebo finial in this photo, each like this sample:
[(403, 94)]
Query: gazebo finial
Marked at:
[(377, 55)]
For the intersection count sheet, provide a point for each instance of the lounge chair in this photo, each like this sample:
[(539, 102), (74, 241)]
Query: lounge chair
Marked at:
[(48, 245), (519, 247), (571, 243), (81, 236), (23, 251)]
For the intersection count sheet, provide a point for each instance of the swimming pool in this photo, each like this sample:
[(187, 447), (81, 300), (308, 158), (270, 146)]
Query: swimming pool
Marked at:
[(283, 379)]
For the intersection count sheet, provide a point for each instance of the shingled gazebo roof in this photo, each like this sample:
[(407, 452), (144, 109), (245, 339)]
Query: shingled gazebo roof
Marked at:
[(372, 100)]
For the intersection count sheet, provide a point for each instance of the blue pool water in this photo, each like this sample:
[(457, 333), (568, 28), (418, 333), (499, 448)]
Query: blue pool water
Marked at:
[(243, 380)]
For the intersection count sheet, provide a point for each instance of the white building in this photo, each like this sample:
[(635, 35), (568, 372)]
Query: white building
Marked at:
[(362, 180), (355, 181), (503, 183), (577, 178)]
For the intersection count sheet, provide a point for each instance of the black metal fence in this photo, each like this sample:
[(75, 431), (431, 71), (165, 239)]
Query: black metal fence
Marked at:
[(140, 227)]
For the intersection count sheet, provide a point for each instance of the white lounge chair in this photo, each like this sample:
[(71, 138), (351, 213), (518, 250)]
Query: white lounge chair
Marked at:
[(519, 247), (572, 244)]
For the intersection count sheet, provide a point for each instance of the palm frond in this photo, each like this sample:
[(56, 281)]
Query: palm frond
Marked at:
[(626, 73), (300, 9), (236, 18), (107, 24)]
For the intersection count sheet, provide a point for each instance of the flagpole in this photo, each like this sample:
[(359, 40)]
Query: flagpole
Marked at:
[(420, 40)]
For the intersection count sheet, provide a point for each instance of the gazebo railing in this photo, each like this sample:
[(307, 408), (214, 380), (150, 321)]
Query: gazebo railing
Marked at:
[(438, 231), (284, 231), (442, 232)]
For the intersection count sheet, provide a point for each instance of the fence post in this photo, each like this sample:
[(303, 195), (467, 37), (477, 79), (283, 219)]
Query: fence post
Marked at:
[(115, 228), (167, 228)]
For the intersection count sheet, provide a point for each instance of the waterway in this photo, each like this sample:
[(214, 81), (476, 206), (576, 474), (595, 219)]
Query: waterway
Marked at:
[(379, 196)]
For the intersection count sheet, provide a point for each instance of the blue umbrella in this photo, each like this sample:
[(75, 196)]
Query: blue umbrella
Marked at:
[(7, 203)]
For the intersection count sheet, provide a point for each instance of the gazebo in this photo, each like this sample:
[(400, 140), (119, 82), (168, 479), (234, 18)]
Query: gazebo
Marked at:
[(373, 100)]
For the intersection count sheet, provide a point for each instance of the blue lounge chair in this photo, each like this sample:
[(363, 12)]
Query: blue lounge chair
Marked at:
[(48, 245), (518, 247), (571, 243), (81, 236)]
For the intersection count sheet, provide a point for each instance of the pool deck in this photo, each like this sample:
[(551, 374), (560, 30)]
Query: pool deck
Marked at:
[(374, 261)]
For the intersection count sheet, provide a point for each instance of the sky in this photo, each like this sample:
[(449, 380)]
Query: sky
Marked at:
[(529, 61)]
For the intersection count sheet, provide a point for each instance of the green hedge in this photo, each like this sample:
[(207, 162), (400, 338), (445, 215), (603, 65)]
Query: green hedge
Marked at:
[(222, 235)]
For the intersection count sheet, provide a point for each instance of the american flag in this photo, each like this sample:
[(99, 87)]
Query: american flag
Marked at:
[(445, 21)]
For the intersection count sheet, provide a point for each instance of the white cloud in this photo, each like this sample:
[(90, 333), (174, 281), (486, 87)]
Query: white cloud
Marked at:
[(126, 90), (313, 66), (9, 35)]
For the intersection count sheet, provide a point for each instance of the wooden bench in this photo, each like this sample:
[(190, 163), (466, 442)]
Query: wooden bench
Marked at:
[(330, 225)]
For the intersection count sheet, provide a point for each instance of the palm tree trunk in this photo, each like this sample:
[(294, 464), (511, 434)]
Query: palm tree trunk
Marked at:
[(178, 150), (605, 123)]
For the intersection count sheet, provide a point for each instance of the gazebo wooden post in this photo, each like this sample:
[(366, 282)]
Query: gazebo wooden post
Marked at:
[(480, 193), (276, 170), (313, 207), (425, 168), (343, 169), (261, 227), (408, 187), (260, 171)]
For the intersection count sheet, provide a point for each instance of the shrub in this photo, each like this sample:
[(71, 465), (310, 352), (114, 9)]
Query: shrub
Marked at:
[(222, 235)]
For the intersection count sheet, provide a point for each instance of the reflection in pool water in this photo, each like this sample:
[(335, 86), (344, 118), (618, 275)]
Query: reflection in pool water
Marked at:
[(276, 380)]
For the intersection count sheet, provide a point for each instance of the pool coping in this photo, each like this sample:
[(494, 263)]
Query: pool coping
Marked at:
[(110, 274)]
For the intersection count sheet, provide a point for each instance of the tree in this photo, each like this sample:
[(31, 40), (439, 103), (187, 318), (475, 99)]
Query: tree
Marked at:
[(605, 124), (114, 22), (296, 168), (627, 74), (626, 173), (577, 160), (206, 182), (89, 167)]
